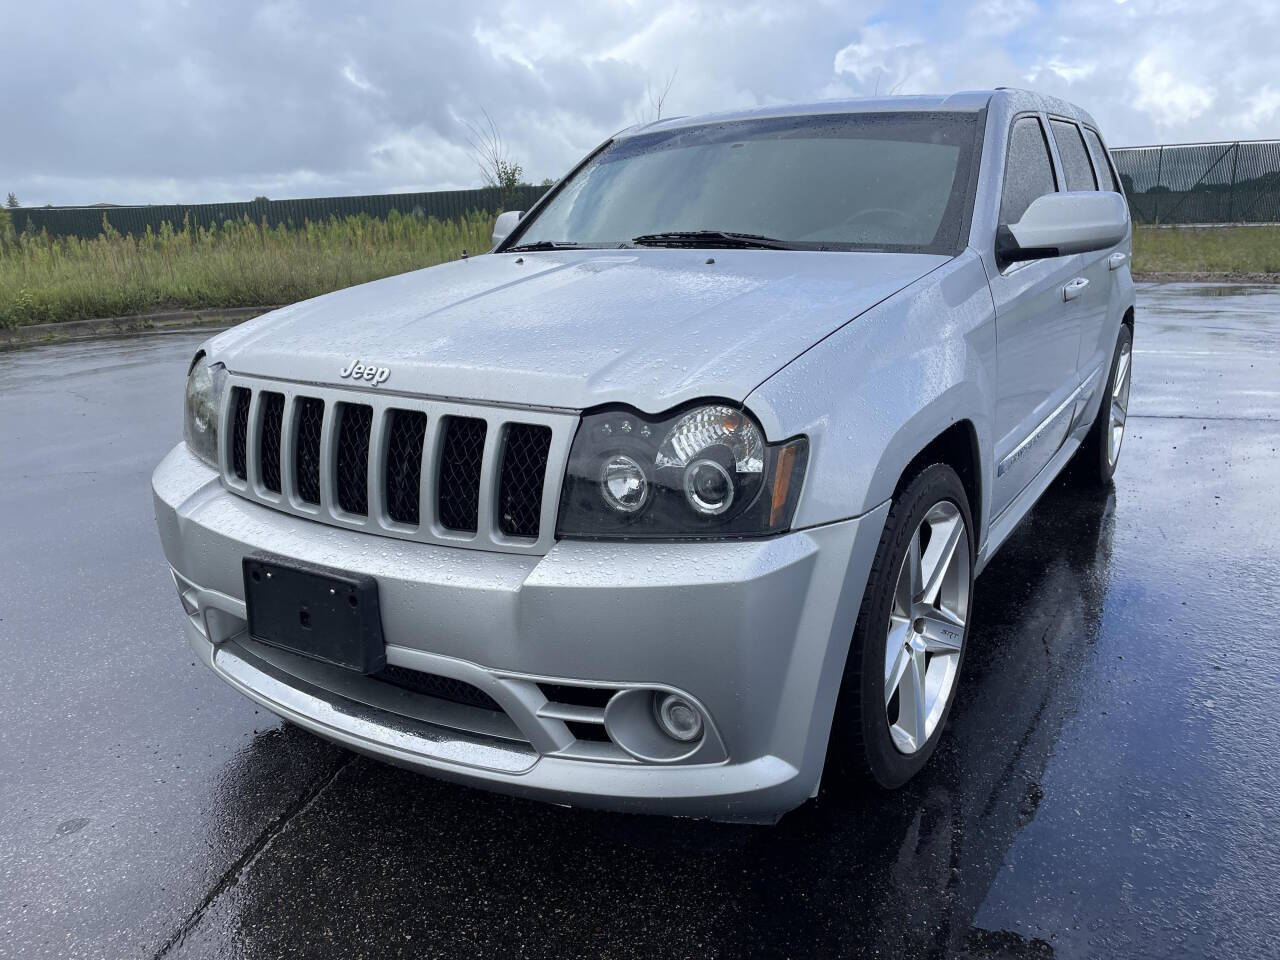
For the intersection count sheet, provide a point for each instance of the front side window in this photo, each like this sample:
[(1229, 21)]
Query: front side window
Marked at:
[(1028, 171), (1076, 168), (892, 181), (1107, 180)]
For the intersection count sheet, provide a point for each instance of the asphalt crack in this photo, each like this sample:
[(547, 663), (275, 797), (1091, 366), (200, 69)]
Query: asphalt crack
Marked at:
[(231, 876)]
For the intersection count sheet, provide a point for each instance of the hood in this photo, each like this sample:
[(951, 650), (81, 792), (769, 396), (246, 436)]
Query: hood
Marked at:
[(651, 328)]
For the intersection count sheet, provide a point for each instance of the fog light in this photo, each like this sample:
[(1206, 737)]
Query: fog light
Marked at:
[(679, 719)]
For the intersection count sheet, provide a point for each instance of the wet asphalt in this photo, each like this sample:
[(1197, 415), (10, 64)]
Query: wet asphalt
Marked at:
[(1107, 787)]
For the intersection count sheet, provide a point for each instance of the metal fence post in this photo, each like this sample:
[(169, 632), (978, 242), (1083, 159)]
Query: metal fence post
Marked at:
[(1231, 189), (1159, 171)]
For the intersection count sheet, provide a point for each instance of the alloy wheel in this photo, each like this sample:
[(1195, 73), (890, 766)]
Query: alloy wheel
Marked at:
[(927, 627), (1119, 404)]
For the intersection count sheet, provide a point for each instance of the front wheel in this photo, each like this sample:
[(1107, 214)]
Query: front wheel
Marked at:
[(908, 644)]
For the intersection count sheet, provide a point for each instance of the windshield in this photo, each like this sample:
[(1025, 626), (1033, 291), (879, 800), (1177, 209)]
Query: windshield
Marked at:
[(870, 181)]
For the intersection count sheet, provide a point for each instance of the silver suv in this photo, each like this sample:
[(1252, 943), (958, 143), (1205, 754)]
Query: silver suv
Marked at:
[(676, 497)]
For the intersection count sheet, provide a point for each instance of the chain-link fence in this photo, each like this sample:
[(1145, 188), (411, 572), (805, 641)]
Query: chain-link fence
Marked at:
[(442, 204), (1195, 183), (1202, 182)]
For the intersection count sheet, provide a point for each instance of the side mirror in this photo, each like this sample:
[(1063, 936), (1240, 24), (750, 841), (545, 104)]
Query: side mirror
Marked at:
[(505, 223), (1059, 224)]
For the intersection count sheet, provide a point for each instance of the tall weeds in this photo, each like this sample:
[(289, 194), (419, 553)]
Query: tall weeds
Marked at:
[(46, 279)]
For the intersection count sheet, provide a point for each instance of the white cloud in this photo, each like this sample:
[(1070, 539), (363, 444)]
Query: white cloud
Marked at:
[(1167, 97), (166, 101), (886, 61), (1001, 17), (1262, 112)]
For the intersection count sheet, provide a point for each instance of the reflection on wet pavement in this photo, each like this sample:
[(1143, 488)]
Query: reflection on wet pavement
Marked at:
[(1106, 787)]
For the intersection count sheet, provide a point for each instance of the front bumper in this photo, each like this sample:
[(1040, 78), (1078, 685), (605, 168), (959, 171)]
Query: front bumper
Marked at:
[(755, 632)]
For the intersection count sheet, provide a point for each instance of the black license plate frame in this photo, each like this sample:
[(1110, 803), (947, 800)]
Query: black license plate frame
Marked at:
[(318, 612)]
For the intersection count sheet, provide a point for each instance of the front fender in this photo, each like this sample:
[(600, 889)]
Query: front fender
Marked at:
[(873, 394)]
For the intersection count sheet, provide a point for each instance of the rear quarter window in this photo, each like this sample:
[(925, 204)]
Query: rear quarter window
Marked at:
[(1075, 158), (1028, 171), (1106, 179)]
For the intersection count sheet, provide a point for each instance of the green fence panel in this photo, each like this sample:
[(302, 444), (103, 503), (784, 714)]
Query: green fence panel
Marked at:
[(441, 204), (1195, 183), (1202, 183)]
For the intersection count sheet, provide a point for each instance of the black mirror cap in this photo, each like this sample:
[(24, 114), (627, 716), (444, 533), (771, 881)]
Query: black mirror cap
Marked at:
[(1008, 250)]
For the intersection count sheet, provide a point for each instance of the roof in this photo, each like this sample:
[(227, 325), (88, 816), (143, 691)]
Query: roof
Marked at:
[(968, 101)]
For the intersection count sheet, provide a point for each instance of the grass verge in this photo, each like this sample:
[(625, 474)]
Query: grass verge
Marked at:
[(1222, 251), (47, 280)]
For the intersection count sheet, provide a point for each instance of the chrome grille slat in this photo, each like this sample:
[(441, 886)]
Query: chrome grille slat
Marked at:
[(407, 449), (253, 441), (375, 489), (288, 435)]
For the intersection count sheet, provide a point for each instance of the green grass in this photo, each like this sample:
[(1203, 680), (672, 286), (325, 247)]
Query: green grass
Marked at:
[(1217, 250), (45, 280)]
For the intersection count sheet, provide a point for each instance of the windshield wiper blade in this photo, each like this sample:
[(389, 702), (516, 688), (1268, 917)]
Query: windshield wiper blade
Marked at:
[(710, 238), (544, 245)]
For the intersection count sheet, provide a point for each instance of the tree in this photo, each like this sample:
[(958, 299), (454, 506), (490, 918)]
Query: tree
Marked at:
[(12, 201), (492, 156), (658, 97)]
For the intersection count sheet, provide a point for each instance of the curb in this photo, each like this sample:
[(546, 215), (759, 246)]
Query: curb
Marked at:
[(118, 326), (1206, 277)]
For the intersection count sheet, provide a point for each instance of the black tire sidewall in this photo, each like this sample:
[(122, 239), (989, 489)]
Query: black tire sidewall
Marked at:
[(884, 763)]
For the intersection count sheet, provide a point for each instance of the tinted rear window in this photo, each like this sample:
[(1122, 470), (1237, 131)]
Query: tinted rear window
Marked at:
[(1028, 171), (1075, 158)]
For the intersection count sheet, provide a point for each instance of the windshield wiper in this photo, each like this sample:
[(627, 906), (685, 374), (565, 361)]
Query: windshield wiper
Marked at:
[(544, 245), (710, 238)]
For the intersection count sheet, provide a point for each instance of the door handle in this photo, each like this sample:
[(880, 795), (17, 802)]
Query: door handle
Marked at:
[(1116, 261), (1074, 288)]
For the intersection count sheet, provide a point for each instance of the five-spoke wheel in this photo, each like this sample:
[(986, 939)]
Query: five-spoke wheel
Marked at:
[(909, 642), (926, 626)]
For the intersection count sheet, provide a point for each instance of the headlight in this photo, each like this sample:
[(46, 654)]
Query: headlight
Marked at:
[(701, 472), (205, 385)]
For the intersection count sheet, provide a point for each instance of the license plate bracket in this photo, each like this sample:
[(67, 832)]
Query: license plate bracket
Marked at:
[(315, 611)]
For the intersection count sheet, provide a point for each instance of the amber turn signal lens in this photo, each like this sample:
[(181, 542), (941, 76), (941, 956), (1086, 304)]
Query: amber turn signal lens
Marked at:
[(782, 482)]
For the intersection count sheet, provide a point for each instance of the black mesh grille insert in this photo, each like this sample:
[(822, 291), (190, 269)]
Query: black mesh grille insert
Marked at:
[(306, 451), (524, 466), (460, 460), (405, 434), (433, 685), (240, 432), (272, 419), (355, 420)]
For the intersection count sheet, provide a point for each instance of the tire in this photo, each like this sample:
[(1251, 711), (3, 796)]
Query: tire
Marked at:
[(1099, 454), (866, 747)]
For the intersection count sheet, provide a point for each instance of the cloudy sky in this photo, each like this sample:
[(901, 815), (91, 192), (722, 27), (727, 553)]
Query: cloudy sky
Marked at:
[(161, 101)]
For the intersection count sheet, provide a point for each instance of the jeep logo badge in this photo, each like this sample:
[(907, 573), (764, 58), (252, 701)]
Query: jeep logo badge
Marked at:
[(357, 370)]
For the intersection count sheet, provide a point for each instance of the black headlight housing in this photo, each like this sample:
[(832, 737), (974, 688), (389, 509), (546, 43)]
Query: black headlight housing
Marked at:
[(702, 471)]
